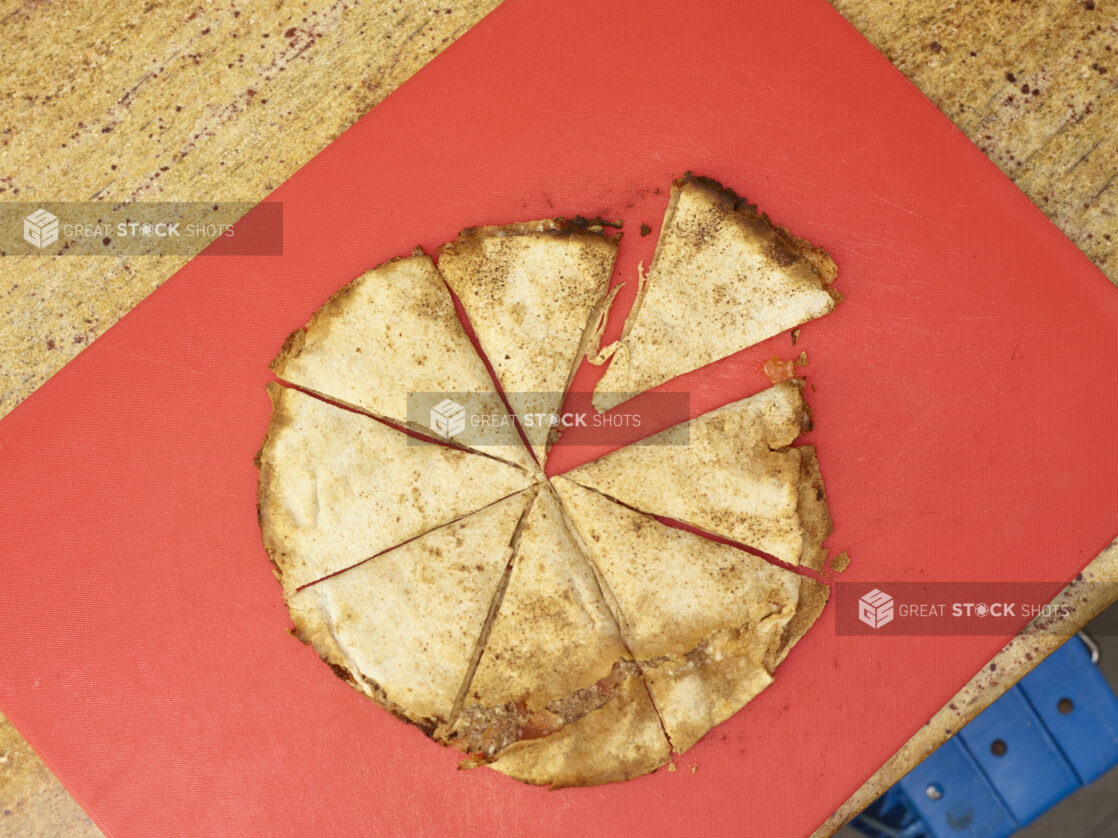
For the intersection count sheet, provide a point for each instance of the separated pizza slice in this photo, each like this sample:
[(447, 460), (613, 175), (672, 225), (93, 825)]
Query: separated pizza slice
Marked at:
[(723, 278), (337, 487), (403, 627), (532, 292), (391, 344), (556, 699), (707, 622), (730, 472)]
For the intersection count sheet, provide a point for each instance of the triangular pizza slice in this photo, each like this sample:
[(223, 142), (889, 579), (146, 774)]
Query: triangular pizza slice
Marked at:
[(730, 472), (556, 699), (403, 626), (337, 487), (390, 343), (707, 622), (532, 293), (723, 278)]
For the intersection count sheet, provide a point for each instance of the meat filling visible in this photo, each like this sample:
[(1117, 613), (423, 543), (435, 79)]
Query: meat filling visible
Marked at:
[(486, 731)]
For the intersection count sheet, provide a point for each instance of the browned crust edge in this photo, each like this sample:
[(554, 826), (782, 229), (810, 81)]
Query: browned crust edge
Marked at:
[(814, 513), (817, 258), (280, 419), (578, 226), (813, 598)]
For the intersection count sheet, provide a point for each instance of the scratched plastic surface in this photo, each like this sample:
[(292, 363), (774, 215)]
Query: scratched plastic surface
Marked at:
[(965, 394)]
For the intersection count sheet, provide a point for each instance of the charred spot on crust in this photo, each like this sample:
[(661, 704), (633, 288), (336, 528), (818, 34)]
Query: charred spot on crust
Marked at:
[(426, 725), (338, 669), (785, 249), (780, 253), (291, 347), (297, 633), (582, 223), (807, 422), (714, 186), (559, 226), (747, 211)]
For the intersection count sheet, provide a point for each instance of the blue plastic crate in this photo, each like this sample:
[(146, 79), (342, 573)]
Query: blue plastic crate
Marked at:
[(1020, 758), (1054, 732), (1077, 707), (951, 796)]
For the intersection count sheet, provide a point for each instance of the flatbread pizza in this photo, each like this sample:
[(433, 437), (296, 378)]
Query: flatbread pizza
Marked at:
[(723, 278), (532, 293), (553, 630)]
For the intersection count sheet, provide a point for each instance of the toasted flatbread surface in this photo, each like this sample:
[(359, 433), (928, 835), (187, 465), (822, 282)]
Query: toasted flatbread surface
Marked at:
[(403, 626), (337, 487), (707, 622), (390, 334), (730, 472), (723, 278), (556, 697), (531, 291)]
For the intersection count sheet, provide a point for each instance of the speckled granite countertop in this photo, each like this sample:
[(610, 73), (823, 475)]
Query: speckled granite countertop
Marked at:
[(180, 101)]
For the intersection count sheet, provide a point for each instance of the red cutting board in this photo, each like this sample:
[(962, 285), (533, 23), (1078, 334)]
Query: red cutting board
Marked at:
[(965, 393)]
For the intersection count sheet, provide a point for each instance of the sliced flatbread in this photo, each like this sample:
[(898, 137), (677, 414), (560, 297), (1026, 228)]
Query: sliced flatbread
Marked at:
[(337, 487), (723, 278), (707, 622), (391, 344), (403, 627), (532, 292), (729, 472), (556, 698)]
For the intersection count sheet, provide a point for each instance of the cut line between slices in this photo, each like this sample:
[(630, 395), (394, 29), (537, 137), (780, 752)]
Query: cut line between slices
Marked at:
[(413, 430)]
